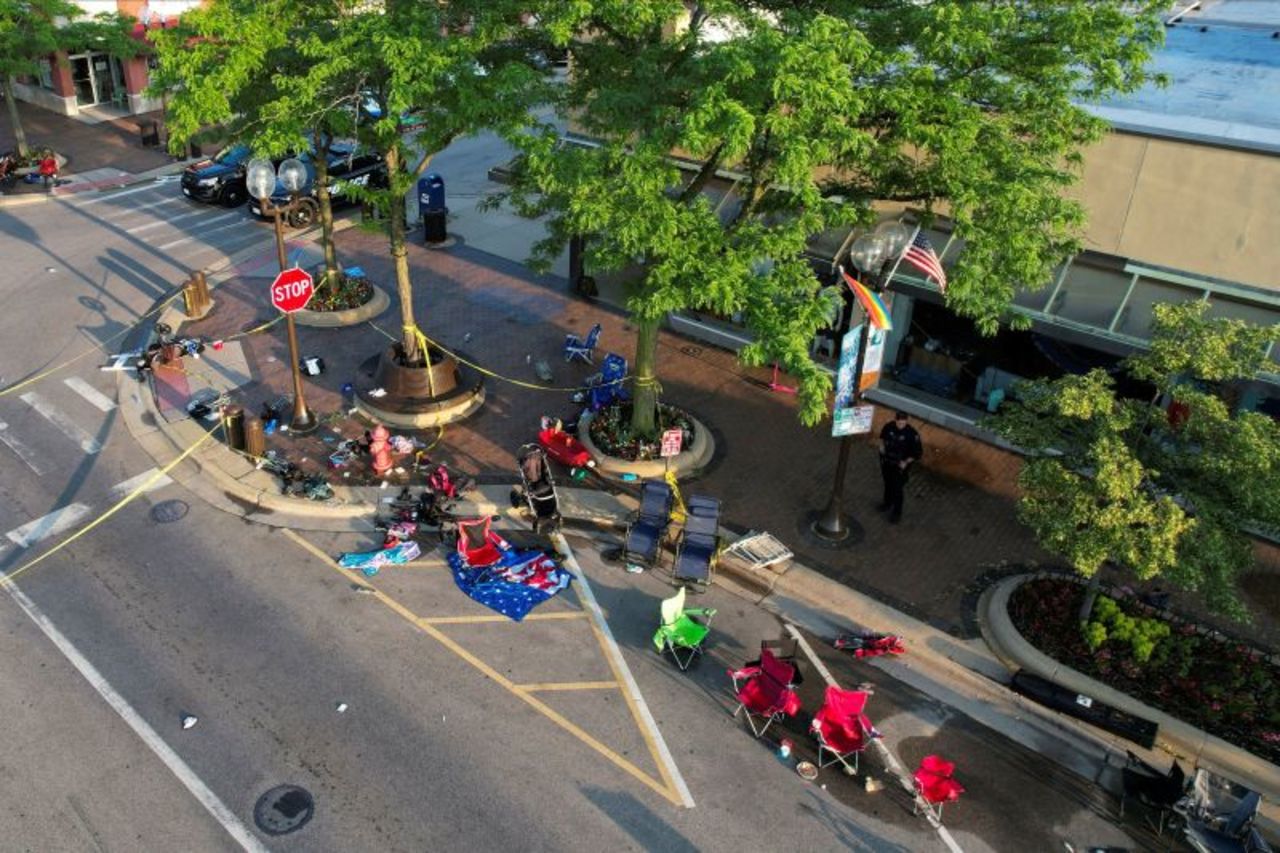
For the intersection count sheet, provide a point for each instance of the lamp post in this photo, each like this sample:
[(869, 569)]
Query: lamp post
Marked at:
[(869, 254), (260, 178)]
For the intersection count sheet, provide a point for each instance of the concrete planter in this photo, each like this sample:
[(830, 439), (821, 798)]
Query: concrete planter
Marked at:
[(350, 317), (687, 464), (1182, 739)]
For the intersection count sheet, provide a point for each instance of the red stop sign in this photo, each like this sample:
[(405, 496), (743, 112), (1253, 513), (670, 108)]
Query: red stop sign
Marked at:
[(292, 290)]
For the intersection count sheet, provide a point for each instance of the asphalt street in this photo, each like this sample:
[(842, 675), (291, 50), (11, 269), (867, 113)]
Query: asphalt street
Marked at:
[(414, 718)]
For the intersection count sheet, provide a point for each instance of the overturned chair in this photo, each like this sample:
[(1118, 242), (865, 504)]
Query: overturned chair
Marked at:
[(649, 527), (699, 545), (683, 631)]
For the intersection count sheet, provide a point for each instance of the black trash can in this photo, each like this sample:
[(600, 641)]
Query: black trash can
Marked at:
[(150, 131), (435, 225), (233, 426)]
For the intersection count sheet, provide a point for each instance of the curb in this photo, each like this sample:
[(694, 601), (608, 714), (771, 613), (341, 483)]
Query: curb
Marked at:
[(689, 463), (90, 187), (1180, 738)]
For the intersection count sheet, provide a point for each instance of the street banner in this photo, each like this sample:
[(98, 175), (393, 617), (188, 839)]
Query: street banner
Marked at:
[(873, 360), (844, 382), (672, 439)]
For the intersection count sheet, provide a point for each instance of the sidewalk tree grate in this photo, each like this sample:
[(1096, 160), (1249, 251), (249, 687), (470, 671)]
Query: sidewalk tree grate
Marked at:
[(283, 809), (167, 512)]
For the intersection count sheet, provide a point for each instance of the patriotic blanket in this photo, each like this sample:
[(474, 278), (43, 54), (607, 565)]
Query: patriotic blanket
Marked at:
[(370, 561), (517, 583)]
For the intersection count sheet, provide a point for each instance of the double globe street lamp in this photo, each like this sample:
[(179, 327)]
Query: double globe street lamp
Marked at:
[(260, 178), (870, 255)]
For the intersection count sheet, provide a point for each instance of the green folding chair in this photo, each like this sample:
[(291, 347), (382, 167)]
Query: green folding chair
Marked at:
[(682, 632)]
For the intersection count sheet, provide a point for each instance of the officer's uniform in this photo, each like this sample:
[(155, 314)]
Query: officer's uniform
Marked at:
[(899, 443)]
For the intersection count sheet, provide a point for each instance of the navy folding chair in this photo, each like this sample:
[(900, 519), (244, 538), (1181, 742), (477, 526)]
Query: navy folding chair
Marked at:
[(699, 545), (584, 349), (649, 527)]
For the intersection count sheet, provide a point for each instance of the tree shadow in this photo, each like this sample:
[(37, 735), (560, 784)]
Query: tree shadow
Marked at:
[(637, 820)]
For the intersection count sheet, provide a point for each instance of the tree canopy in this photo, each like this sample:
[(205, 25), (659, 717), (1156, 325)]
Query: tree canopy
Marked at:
[(820, 112), (1119, 481)]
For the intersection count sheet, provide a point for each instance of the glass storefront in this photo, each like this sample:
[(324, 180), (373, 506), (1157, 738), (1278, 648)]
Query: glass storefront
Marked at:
[(98, 79)]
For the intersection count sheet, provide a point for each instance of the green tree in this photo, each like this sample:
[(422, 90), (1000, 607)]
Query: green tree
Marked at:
[(268, 74), (435, 71), (1118, 481), (31, 30), (820, 111)]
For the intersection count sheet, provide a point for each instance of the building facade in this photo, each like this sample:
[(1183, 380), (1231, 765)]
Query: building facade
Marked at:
[(71, 82)]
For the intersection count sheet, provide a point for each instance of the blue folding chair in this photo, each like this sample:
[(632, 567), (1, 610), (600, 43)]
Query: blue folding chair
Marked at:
[(649, 527), (609, 390), (699, 545), (576, 347)]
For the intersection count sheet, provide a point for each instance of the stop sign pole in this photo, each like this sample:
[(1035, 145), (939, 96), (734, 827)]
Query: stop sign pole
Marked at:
[(290, 292)]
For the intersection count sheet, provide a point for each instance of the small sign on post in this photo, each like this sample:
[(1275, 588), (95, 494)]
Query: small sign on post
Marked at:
[(672, 440), (855, 420)]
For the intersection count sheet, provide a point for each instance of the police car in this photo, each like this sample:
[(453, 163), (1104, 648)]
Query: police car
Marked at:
[(348, 167)]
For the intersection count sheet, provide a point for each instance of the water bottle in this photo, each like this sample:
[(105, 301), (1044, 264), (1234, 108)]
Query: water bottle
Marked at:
[(784, 749)]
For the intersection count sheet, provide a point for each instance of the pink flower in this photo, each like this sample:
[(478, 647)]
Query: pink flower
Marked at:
[(1271, 737)]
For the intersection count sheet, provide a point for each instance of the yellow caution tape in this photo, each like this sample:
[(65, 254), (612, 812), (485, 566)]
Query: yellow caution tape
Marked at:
[(121, 504), (423, 341)]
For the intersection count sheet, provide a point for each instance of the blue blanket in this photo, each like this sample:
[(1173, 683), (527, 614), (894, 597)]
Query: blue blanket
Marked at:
[(514, 585)]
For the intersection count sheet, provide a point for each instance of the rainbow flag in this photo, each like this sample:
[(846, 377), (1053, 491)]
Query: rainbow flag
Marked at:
[(877, 314)]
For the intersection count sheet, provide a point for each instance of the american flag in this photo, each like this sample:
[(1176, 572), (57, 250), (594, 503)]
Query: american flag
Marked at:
[(920, 254)]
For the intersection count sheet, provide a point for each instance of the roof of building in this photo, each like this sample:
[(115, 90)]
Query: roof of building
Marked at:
[(1223, 62)]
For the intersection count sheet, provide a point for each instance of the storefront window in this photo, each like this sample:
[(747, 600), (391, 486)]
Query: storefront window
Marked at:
[(46, 74)]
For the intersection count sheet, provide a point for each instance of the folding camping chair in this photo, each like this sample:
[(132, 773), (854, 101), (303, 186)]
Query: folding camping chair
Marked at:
[(935, 785), (764, 690), (477, 544), (608, 389), (649, 527), (842, 729), (1152, 788), (682, 631), (699, 543), (584, 349)]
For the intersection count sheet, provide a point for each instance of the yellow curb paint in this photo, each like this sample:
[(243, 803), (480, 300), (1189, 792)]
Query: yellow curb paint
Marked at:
[(664, 790), (570, 685)]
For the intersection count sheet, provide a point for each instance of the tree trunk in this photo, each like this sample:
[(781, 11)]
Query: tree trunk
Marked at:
[(644, 392), (1090, 596), (331, 272), (19, 135), (396, 228)]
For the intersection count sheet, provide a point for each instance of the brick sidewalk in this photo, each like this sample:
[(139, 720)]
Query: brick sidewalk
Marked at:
[(770, 471), (109, 144)]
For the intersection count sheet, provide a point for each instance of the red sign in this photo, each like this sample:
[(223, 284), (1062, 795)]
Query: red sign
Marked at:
[(671, 441), (292, 290)]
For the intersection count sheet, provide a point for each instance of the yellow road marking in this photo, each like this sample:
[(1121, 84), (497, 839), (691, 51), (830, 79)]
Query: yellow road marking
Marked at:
[(665, 790), (570, 685), (466, 620)]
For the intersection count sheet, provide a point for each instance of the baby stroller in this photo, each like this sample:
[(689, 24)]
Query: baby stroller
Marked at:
[(537, 490)]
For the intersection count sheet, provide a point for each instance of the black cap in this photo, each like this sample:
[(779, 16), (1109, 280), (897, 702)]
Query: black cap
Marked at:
[(900, 415)]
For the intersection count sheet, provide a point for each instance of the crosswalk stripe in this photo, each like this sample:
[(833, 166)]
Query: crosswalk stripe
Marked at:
[(93, 395), (48, 525), (62, 421), (140, 228), (26, 454), (142, 189), (127, 487), (203, 235)]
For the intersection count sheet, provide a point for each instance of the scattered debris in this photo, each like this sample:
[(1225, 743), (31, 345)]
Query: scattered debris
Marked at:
[(189, 720), (341, 707), (873, 784), (378, 392)]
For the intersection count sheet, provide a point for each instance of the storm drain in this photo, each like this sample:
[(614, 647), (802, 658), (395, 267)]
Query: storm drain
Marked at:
[(283, 809), (167, 512)]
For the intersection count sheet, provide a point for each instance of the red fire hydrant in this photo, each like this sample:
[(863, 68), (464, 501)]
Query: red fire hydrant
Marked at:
[(380, 450)]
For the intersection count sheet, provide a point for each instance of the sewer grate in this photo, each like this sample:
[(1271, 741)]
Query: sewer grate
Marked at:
[(167, 512), (283, 809)]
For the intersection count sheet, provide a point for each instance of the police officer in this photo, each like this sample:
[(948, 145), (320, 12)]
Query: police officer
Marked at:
[(900, 448)]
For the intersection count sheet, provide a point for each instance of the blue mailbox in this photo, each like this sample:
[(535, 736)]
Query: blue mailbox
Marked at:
[(430, 192)]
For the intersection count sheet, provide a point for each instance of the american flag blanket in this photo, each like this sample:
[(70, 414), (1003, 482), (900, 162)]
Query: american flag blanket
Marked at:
[(513, 586)]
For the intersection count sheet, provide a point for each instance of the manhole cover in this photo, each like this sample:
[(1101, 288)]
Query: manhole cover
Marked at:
[(283, 809), (167, 512)]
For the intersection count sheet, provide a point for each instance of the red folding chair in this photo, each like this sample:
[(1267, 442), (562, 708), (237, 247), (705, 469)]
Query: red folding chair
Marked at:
[(841, 728), (477, 544), (935, 784), (765, 691)]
